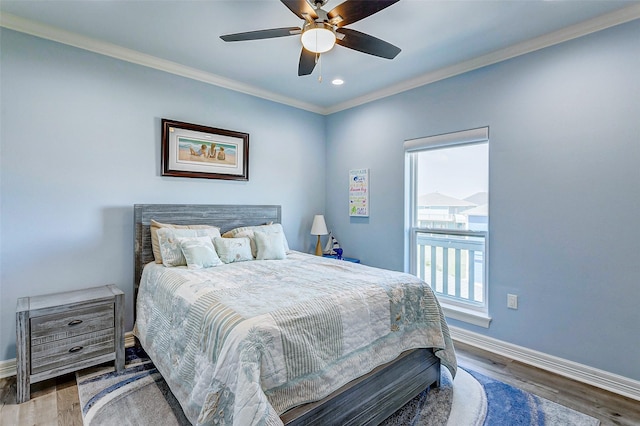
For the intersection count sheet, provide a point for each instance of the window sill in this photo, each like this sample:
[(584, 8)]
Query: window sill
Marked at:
[(480, 319)]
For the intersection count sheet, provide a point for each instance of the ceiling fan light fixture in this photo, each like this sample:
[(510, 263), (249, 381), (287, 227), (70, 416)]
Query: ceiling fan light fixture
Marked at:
[(318, 37)]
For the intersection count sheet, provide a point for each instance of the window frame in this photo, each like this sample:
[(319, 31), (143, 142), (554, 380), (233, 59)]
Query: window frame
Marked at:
[(470, 313)]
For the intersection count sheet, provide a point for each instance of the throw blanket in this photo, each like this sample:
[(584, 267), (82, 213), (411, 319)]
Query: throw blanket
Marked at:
[(244, 342)]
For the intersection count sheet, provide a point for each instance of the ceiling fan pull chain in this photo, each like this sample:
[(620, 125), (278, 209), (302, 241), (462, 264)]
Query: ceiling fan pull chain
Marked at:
[(319, 61)]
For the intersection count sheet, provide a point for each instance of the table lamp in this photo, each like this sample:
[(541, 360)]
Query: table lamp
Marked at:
[(318, 228)]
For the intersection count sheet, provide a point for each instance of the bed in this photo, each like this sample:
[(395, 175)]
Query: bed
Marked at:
[(297, 341)]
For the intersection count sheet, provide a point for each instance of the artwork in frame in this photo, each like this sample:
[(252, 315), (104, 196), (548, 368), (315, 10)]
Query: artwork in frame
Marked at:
[(359, 192), (196, 151)]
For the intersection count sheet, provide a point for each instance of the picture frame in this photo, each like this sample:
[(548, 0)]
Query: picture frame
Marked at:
[(359, 193), (197, 151)]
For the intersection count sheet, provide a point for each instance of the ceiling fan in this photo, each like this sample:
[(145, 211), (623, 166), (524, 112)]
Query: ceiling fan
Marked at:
[(322, 30)]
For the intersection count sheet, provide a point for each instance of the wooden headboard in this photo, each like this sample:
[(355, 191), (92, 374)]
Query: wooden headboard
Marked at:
[(224, 216)]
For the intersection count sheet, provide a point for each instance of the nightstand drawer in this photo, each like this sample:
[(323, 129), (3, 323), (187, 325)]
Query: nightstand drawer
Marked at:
[(60, 333), (69, 351), (62, 325)]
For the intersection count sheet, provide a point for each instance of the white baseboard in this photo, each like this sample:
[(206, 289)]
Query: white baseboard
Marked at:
[(8, 368), (573, 370), (129, 339)]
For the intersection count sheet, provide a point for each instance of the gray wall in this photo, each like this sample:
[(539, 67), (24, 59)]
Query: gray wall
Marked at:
[(564, 190), (81, 144)]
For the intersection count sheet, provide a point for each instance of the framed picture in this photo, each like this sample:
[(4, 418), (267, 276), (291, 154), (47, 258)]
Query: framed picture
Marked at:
[(359, 192), (195, 151)]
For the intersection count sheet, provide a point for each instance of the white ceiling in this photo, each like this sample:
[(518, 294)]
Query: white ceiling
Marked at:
[(438, 39)]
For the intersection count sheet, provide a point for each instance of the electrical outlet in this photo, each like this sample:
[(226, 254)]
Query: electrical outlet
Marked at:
[(512, 301)]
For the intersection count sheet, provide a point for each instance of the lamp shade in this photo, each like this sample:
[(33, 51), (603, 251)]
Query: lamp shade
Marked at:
[(318, 37), (319, 226)]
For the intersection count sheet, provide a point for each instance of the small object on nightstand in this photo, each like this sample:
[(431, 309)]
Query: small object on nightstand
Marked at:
[(338, 253), (332, 244), (346, 259), (64, 332)]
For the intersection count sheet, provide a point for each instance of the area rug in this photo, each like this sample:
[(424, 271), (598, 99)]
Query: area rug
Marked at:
[(139, 396)]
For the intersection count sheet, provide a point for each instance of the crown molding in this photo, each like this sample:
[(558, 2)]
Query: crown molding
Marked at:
[(48, 32), (621, 16)]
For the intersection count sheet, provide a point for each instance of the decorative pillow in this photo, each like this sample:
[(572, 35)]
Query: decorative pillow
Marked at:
[(199, 252), (267, 229), (168, 240), (248, 234), (269, 246), (155, 226), (233, 249)]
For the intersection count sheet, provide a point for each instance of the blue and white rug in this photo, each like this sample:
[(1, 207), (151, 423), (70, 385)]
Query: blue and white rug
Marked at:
[(474, 399), (136, 396), (139, 396)]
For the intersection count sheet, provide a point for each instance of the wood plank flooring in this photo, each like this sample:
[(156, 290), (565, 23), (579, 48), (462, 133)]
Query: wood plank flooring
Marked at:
[(609, 408), (55, 401)]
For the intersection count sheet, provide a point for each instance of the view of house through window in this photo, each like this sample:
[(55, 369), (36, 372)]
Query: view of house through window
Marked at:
[(449, 202)]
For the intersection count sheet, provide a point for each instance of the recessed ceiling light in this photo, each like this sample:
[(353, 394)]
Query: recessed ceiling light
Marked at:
[(337, 81)]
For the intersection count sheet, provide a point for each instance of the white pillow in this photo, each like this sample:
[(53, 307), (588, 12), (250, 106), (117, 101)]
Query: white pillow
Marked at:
[(233, 249), (155, 226), (199, 252), (267, 229), (168, 240), (248, 234), (269, 246)]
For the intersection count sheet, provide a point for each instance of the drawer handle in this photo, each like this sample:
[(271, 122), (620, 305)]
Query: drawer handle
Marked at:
[(75, 349), (75, 322)]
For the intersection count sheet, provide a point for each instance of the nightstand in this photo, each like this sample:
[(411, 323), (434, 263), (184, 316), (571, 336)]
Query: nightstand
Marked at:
[(346, 259), (64, 332)]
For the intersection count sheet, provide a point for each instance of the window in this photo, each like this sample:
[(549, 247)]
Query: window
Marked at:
[(448, 219)]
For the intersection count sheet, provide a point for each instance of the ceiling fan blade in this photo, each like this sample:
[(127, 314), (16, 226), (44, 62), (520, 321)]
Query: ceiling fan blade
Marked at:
[(307, 62), (300, 8), (367, 44), (261, 34), (355, 10)]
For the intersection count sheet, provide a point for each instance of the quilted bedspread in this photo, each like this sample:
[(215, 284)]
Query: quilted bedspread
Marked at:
[(244, 342)]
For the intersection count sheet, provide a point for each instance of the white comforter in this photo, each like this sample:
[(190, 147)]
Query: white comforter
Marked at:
[(244, 342)]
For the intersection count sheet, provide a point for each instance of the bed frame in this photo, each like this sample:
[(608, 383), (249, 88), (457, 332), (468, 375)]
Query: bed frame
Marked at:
[(367, 400)]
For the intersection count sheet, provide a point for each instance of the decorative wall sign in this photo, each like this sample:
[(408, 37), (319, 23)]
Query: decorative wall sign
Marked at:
[(359, 192), (192, 150)]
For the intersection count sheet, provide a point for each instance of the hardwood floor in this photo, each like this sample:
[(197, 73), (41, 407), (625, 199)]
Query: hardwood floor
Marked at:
[(55, 401), (609, 408)]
